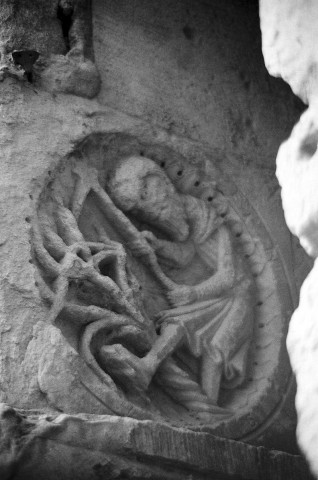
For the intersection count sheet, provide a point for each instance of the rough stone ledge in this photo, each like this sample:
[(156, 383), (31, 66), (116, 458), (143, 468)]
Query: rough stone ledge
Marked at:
[(40, 446)]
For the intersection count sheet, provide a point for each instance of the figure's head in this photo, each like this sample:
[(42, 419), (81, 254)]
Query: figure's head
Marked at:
[(139, 186)]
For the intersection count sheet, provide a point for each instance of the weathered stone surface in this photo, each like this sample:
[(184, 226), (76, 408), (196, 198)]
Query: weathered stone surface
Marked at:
[(156, 64), (289, 32), (70, 74), (79, 235), (32, 157), (59, 32), (303, 349), (297, 172), (195, 69), (164, 63), (91, 447), (31, 26)]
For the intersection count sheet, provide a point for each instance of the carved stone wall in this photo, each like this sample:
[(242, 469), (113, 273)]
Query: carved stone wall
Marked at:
[(55, 50), (165, 62), (42, 446), (146, 269), (83, 245)]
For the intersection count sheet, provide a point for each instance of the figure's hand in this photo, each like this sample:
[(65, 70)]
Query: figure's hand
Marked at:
[(172, 315), (166, 316), (183, 295), (150, 238), (140, 248), (145, 245)]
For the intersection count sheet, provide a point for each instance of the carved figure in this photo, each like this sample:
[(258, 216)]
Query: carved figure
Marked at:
[(209, 292), (190, 254), (163, 279)]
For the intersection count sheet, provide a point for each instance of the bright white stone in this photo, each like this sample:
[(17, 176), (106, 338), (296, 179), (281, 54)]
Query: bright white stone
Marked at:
[(289, 39)]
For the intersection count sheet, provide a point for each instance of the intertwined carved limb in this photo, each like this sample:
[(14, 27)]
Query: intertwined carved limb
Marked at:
[(74, 266), (68, 260), (67, 257)]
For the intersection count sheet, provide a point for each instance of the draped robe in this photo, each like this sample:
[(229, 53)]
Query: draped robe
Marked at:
[(221, 325)]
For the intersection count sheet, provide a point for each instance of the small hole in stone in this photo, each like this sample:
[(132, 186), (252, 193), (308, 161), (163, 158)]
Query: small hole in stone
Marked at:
[(36, 284), (31, 196), (28, 219), (223, 215), (142, 154), (179, 173), (197, 183), (238, 235), (250, 379), (140, 287), (247, 256), (259, 304), (30, 261), (210, 199), (9, 413), (261, 325), (163, 164), (188, 32), (255, 363), (49, 172)]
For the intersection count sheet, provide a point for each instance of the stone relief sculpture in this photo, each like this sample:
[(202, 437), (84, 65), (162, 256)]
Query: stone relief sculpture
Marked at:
[(211, 312), (161, 289)]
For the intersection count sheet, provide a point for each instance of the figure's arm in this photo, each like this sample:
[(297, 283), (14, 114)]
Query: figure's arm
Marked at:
[(218, 283), (175, 254), (224, 277), (171, 253)]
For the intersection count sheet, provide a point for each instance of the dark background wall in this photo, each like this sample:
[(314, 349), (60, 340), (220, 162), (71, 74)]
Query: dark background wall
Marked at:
[(195, 68)]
